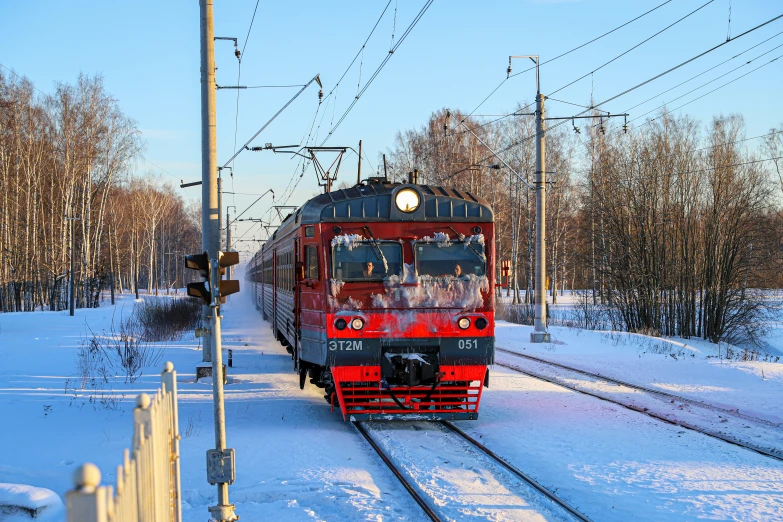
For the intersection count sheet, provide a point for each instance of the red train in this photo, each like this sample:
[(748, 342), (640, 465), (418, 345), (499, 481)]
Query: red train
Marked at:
[(383, 293)]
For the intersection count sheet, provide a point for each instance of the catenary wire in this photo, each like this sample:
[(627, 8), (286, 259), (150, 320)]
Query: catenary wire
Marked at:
[(708, 70), (639, 85), (567, 53), (739, 141), (714, 80), (253, 19), (287, 194), (359, 52), (22, 78), (386, 59), (619, 55), (634, 47), (239, 76), (717, 88), (592, 72)]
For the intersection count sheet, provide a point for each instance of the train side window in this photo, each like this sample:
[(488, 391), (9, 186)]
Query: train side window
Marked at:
[(311, 266)]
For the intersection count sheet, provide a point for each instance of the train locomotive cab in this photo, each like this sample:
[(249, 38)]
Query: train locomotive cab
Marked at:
[(391, 299)]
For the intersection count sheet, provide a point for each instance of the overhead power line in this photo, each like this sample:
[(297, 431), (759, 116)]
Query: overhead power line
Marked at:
[(359, 52), (302, 163), (22, 78), (715, 89), (716, 79), (328, 98), (621, 54), (158, 166), (731, 165), (738, 141), (639, 85), (239, 76), (380, 68), (250, 28), (707, 70), (567, 53), (634, 47)]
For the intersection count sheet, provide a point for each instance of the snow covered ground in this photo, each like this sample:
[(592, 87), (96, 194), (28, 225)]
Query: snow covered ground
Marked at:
[(296, 460)]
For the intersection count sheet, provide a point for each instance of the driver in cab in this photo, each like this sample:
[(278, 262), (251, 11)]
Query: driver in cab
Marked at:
[(367, 270)]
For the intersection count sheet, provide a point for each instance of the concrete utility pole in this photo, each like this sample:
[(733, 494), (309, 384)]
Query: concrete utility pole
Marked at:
[(539, 333), (220, 461), (210, 211)]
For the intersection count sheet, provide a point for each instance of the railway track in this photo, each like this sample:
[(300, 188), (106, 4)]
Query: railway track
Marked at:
[(562, 508), (404, 481), (772, 430), (660, 393)]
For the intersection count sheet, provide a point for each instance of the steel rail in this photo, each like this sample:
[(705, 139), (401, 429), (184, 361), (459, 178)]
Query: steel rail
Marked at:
[(734, 413), (645, 411), (406, 484), (529, 480)]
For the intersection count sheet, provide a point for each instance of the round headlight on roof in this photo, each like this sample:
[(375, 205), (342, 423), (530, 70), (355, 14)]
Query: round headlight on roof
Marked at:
[(407, 200)]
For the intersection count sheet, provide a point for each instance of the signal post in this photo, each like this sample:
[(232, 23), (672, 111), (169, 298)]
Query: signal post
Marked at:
[(221, 461)]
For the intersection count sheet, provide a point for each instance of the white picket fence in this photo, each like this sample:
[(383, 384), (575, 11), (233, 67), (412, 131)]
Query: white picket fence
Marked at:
[(148, 480)]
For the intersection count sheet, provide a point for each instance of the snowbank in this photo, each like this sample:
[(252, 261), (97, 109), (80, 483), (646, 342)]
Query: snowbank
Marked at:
[(22, 502)]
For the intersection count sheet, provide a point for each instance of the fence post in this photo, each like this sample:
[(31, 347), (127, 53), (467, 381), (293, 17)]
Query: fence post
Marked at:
[(148, 480), (144, 446), (169, 381), (86, 503)]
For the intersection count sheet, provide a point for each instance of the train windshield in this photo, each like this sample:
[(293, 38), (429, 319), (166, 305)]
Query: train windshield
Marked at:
[(455, 259), (366, 261)]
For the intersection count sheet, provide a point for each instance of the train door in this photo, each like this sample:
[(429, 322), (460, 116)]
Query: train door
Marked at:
[(275, 284), (262, 286), (298, 267)]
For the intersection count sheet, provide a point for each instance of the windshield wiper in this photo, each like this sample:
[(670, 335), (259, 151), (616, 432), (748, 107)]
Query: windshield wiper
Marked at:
[(378, 252), (461, 237)]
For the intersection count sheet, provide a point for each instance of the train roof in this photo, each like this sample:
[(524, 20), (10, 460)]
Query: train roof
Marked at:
[(374, 202)]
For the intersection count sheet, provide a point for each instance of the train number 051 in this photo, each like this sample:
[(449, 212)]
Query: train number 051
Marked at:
[(468, 344)]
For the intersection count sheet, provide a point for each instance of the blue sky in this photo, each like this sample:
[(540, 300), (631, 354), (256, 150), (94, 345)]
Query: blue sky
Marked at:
[(148, 53)]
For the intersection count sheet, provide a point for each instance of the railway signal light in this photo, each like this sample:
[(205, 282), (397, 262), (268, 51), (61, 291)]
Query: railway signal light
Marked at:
[(204, 289)]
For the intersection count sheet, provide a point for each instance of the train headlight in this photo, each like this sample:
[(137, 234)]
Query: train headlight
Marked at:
[(340, 324), (481, 323), (357, 324), (407, 200), (464, 323)]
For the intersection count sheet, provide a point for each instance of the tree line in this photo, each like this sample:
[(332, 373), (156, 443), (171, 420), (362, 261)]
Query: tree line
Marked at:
[(69, 187), (673, 226)]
